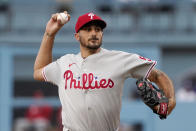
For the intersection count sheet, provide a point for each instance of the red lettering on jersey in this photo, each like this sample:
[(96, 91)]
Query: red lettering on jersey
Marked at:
[(143, 58), (84, 80), (88, 81), (103, 83), (110, 83), (71, 64)]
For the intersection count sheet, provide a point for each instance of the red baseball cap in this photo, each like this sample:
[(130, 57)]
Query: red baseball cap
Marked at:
[(86, 18)]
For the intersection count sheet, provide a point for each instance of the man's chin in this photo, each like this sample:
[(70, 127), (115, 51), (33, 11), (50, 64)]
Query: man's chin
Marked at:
[(94, 47), (91, 46)]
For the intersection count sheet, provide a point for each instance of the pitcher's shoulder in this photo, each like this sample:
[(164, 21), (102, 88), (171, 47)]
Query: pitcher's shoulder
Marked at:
[(66, 57), (117, 52)]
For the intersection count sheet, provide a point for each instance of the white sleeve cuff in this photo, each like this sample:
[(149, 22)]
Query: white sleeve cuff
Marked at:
[(43, 74), (150, 69)]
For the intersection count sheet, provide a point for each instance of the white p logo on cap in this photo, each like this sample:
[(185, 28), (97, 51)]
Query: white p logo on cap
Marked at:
[(91, 15)]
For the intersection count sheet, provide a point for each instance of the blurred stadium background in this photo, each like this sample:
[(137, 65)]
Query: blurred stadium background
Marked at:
[(163, 30)]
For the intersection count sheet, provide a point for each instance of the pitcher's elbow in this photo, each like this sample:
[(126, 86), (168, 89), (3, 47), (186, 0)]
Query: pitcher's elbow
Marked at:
[(37, 75)]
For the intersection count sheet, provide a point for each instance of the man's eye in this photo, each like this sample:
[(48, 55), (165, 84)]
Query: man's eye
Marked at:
[(98, 29)]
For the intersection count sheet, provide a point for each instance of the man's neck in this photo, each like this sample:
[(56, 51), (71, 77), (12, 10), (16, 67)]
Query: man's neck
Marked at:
[(87, 52)]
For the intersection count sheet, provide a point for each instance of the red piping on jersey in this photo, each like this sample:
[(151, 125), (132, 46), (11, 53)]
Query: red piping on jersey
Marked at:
[(150, 69), (43, 74)]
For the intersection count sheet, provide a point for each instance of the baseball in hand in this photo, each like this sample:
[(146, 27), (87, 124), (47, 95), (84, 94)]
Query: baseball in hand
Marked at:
[(62, 17)]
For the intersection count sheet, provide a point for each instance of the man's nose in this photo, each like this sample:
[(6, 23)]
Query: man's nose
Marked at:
[(93, 32)]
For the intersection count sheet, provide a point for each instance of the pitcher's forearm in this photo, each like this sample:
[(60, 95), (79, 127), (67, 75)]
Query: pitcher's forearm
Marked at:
[(44, 56), (164, 83)]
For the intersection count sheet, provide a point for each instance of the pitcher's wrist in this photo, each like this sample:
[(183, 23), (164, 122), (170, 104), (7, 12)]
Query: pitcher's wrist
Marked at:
[(50, 35)]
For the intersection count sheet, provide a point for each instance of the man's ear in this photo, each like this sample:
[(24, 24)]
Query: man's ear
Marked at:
[(77, 36)]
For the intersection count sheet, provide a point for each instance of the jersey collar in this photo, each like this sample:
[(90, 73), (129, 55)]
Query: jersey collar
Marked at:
[(79, 56)]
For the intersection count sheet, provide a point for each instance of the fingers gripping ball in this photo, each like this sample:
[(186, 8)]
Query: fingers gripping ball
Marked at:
[(152, 97), (62, 17)]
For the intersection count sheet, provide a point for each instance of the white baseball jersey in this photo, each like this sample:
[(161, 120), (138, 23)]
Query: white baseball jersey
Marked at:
[(90, 89)]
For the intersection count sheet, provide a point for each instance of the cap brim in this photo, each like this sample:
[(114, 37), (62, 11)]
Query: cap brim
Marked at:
[(100, 23)]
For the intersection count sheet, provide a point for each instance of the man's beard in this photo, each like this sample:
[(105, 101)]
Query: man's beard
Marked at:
[(91, 46)]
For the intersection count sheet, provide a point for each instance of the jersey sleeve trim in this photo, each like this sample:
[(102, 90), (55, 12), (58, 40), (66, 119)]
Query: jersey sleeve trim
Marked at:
[(43, 74), (152, 66)]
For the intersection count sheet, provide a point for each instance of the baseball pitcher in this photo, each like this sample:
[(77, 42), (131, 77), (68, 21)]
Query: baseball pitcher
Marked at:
[(90, 83)]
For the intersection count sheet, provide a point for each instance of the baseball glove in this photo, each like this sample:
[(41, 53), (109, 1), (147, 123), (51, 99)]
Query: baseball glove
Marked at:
[(152, 97)]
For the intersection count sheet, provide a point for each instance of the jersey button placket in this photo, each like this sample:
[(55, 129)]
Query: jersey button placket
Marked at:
[(84, 70), (84, 66), (89, 108)]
